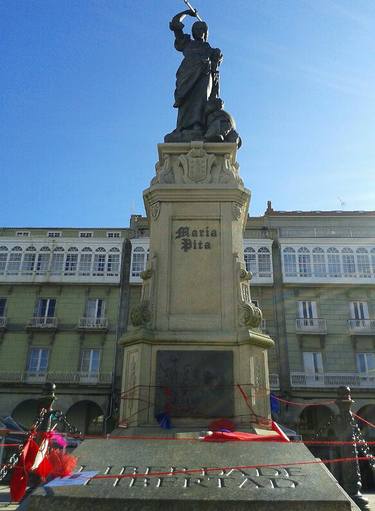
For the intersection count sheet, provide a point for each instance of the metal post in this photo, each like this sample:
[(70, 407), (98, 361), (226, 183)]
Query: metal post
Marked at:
[(349, 474), (46, 402)]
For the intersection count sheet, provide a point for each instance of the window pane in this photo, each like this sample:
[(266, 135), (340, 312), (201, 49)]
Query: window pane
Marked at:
[(14, 263), (371, 362), (71, 264), (348, 264), (57, 263), (251, 260), (95, 361), (334, 265), (319, 263), (138, 262), (290, 262), (99, 264), (42, 263), (304, 263), (85, 264), (43, 360), (33, 359), (3, 262), (90, 308), (3, 302), (363, 262), (361, 362), (85, 361), (113, 264), (264, 262), (38, 359), (28, 263)]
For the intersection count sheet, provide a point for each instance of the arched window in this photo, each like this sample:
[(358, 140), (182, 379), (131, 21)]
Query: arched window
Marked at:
[(71, 261), (43, 260), (99, 261), (264, 262), (363, 263), (14, 263), (304, 262), (319, 262), (85, 261), (28, 261), (334, 265), (251, 260), (57, 262), (290, 266), (113, 263), (373, 261), (348, 262), (3, 259), (138, 261)]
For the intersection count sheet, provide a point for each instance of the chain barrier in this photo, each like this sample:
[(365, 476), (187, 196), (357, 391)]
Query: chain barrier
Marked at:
[(330, 422), (13, 460), (363, 445)]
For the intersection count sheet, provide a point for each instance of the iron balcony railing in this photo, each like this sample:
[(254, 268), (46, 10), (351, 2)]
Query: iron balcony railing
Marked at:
[(274, 381), (3, 322), (78, 377), (363, 380), (93, 323), (43, 322), (81, 377), (361, 326), (311, 325)]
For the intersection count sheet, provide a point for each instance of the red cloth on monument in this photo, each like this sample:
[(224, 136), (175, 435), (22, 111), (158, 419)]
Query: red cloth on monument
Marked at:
[(239, 436)]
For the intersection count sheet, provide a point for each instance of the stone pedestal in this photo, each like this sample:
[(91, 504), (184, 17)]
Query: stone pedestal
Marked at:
[(162, 475), (196, 335)]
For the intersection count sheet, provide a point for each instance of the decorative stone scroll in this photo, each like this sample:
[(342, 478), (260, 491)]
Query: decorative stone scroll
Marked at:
[(249, 315)]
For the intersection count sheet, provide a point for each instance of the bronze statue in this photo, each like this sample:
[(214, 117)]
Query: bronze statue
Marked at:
[(197, 83)]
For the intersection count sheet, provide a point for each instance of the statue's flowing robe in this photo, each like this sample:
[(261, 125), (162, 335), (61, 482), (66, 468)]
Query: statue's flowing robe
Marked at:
[(194, 82)]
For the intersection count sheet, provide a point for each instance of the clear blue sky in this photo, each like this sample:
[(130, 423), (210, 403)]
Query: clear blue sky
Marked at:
[(87, 93)]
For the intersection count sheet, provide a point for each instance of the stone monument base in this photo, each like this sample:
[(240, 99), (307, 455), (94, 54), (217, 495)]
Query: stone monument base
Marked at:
[(186, 480)]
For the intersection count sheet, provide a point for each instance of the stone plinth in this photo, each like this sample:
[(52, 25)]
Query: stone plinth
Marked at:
[(196, 293), (297, 487)]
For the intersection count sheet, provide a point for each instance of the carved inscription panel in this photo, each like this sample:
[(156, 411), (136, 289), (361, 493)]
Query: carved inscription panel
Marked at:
[(257, 478), (196, 267)]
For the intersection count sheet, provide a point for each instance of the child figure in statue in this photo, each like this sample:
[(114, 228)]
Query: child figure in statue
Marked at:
[(197, 79)]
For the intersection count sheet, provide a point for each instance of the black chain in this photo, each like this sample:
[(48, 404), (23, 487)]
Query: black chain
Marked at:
[(13, 460), (363, 445), (61, 418), (322, 429)]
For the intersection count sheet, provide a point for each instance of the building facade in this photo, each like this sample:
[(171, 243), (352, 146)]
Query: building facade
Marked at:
[(66, 294), (60, 314)]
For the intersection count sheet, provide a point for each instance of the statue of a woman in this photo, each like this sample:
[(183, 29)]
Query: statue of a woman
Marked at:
[(197, 79)]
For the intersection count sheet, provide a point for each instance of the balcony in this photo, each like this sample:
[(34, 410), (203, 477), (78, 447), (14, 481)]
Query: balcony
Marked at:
[(35, 376), (357, 380), (311, 326), (77, 377), (3, 323), (274, 381), (93, 324), (80, 377), (42, 323), (361, 326)]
